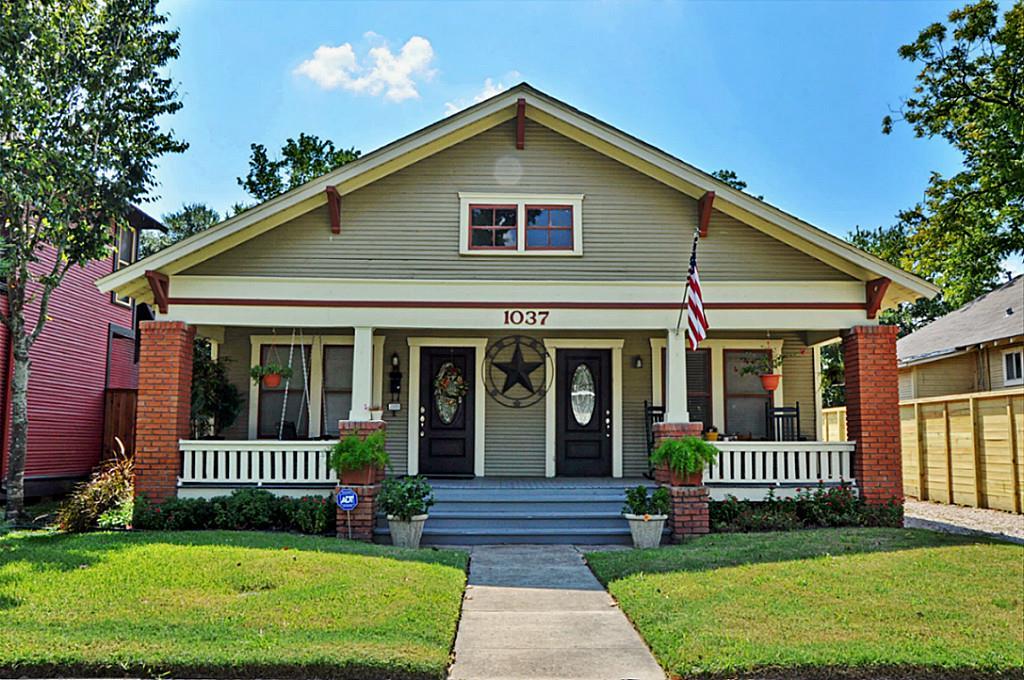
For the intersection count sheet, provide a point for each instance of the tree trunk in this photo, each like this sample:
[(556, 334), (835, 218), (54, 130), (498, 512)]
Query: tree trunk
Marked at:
[(19, 427)]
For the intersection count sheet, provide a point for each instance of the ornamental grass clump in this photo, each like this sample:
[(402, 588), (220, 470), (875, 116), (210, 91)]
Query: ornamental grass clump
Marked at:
[(686, 455), (105, 495)]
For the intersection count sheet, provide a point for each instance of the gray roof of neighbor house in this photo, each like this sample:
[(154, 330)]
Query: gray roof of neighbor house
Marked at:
[(995, 315)]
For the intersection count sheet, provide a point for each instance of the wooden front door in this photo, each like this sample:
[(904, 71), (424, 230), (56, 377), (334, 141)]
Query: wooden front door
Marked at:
[(447, 427), (583, 413)]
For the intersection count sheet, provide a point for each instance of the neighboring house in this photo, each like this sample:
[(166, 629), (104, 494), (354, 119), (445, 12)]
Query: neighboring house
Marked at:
[(499, 291), (977, 348), (86, 348)]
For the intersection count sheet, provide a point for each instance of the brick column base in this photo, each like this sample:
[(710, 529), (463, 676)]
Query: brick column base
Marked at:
[(873, 411), (163, 410), (690, 514), (363, 519)]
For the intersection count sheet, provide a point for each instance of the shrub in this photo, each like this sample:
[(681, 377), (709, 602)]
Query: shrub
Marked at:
[(820, 507), (406, 497), (309, 514), (118, 517), (216, 402), (639, 503), (685, 455), (355, 453), (109, 488), (245, 509)]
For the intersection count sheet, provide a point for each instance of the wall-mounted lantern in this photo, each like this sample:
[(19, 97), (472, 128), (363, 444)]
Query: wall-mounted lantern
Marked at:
[(395, 383), (638, 361)]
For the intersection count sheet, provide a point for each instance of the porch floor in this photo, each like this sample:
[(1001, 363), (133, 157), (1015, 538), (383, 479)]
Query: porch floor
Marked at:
[(537, 482)]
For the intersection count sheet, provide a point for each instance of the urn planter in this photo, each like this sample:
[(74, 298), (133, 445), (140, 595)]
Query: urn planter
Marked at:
[(406, 533), (646, 529)]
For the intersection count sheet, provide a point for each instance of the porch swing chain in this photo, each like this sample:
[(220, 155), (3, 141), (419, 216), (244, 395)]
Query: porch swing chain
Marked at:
[(287, 382), (305, 379)]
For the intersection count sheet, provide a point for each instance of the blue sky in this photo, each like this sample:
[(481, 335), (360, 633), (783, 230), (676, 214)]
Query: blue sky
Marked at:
[(789, 95)]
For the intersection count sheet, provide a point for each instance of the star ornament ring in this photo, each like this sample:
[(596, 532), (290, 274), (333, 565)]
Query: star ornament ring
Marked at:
[(517, 371)]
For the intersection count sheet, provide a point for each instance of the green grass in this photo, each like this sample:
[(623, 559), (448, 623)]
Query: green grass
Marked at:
[(871, 598), (217, 604)]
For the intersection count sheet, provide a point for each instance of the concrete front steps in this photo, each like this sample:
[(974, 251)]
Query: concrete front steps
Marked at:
[(490, 511)]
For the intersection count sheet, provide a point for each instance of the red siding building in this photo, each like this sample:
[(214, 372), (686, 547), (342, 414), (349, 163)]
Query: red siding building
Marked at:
[(86, 347)]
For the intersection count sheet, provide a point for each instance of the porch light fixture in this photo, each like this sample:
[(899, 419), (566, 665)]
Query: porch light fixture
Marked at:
[(395, 377), (638, 361)]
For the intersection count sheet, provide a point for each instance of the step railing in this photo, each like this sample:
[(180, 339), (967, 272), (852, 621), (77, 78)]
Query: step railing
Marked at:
[(255, 463), (776, 463)]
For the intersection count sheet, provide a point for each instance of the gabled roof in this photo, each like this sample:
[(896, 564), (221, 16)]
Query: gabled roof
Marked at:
[(996, 315), (561, 118)]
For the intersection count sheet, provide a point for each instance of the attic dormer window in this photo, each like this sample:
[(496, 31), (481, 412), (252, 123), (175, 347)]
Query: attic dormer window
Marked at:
[(521, 224)]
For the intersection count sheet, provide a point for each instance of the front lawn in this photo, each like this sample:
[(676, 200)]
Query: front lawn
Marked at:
[(818, 603), (217, 604)]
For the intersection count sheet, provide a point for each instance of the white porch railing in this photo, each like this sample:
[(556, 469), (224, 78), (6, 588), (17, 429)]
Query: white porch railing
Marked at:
[(772, 463), (259, 463)]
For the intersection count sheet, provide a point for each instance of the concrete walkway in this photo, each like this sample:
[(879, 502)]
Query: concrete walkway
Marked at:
[(536, 611)]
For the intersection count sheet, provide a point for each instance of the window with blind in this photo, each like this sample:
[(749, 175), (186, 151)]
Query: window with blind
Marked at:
[(337, 386), (272, 399), (745, 397)]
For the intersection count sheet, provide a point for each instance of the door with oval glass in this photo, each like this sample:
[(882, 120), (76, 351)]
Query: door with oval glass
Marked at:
[(447, 426), (583, 413)]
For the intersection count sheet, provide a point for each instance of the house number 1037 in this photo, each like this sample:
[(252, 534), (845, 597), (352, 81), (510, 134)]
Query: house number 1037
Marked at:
[(529, 317)]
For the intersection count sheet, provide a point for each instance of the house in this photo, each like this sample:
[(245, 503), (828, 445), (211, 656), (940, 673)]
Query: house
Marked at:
[(977, 348), (500, 292), (85, 352)]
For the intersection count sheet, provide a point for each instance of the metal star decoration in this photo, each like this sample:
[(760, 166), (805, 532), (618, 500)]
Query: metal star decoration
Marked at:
[(517, 371)]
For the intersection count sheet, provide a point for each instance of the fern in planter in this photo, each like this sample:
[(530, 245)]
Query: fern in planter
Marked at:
[(259, 372), (405, 498), (354, 453), (685, 456)]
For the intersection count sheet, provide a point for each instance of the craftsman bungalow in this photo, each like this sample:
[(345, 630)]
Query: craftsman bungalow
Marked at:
[(500, 291)]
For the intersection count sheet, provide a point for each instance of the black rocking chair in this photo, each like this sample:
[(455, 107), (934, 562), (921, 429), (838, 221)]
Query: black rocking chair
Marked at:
[(783, 423)]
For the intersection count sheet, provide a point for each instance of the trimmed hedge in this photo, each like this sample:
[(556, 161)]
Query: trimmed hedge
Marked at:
[(243, 510), (819, 507)]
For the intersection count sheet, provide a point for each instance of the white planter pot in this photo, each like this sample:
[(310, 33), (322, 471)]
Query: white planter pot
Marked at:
[(376, 414), (646, 533), (406, 534)]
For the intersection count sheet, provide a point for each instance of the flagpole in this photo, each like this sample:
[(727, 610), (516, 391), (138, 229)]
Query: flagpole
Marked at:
[(686, 284)]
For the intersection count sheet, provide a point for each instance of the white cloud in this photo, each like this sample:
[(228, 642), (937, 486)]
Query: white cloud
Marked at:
[(382, 72), (489, 89)]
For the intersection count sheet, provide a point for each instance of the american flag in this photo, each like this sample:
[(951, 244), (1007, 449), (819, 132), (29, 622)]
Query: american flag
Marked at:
[(695, 301)]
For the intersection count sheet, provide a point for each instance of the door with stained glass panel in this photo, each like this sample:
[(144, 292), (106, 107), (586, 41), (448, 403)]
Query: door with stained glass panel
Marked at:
[(583, 413)]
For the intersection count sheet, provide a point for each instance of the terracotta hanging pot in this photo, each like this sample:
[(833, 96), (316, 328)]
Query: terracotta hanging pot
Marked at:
[(770, 381), (271, 380)]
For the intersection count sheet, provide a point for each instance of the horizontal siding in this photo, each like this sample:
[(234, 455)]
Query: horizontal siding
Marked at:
[(906, 383), (955, 375), (407, 225), (798, 379), (996, 367)]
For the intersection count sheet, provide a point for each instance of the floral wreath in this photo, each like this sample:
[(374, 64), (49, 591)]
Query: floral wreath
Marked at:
[(450, 383)]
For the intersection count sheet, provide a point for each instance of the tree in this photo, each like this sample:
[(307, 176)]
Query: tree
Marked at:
[(191, 219), (970, 92), (81, 90), (732, 179), (301, 160)]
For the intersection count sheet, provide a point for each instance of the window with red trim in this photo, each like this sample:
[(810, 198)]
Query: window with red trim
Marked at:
[(549, 227), (492, 227)]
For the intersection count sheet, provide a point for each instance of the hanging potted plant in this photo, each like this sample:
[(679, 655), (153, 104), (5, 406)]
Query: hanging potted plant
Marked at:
[(271, 374), (681, 462), (764, 365), (360, 461), (646, 515), (405, 501)]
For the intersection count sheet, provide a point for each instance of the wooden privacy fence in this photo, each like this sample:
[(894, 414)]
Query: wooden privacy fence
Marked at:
[(118, 421), (966, 449)]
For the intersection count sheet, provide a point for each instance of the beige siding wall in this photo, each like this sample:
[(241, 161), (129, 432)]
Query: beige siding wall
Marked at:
[(995, 367), (906, 383), (407, 225), (514, 438), (955, 375)]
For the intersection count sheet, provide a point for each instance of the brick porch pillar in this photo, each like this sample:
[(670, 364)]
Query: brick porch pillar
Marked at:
[(690, 514), (364, 517), (872, 411), (163, 406)]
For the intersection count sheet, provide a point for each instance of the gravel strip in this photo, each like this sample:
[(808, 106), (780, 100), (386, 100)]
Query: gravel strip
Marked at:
[(956, 519)]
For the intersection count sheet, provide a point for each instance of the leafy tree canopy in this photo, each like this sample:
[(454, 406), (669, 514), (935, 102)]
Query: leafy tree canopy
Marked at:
[(732, 179), (970, 92), (191, 219), (300, 161)]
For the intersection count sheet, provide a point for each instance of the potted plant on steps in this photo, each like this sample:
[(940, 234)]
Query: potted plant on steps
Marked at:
[(646, 515), (405, 501), (360, 461), (271, 374), (681, 462), (764, 365)]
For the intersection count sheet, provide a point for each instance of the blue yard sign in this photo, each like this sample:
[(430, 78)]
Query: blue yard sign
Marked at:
[(347, 499)]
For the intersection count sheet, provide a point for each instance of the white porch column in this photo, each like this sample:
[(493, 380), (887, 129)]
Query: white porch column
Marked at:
[(362, 373), (675, 378)]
